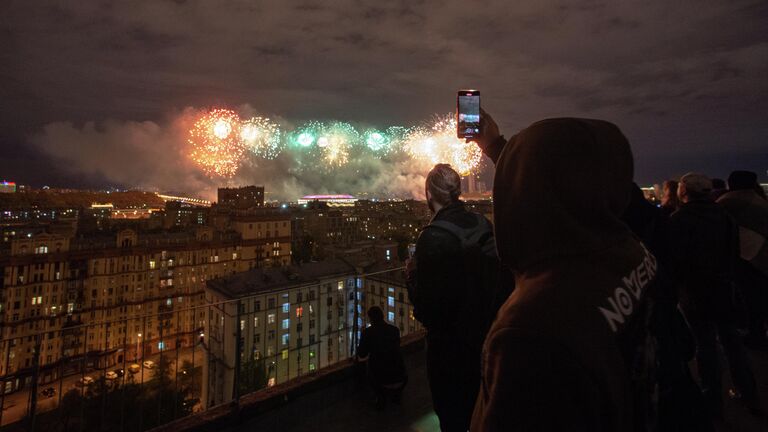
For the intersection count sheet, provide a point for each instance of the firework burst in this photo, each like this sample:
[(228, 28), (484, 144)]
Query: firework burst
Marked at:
[(438, 144), (336, 140), (216, 145), (261, 136)]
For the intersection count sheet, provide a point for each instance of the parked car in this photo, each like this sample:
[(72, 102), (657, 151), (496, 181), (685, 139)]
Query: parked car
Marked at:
[(111, 375), (85, 381), (149, 364), (49, 392), (134, 368)]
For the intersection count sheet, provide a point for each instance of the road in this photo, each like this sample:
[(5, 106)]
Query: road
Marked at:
[(15, 405)]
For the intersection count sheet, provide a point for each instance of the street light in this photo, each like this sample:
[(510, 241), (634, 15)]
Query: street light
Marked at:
[(138, 340)]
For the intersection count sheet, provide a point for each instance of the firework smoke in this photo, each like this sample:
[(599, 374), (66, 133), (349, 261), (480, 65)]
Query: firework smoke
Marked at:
[(197, 151)]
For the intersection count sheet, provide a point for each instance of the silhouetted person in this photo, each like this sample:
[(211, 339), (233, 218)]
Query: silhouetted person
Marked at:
[(567, 349), (380, 347), (669, 200), (705, 248), (450, 282), (680, 399), (718, 189), (750, 212)]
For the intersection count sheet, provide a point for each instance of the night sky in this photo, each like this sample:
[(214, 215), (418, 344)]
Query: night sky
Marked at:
[(687, 82)]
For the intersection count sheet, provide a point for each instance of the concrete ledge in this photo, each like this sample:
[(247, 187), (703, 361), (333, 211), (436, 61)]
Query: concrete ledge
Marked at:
[(258, 403)]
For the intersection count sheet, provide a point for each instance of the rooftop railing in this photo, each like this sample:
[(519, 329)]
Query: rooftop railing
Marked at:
[(138, 373)]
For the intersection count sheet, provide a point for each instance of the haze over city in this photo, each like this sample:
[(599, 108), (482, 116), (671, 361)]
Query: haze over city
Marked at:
[(103, 96)]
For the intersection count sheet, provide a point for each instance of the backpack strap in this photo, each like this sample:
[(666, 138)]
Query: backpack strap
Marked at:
[(468, 237)]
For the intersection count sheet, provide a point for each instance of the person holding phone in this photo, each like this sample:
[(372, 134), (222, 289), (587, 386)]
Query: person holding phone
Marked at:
[(569, 348)]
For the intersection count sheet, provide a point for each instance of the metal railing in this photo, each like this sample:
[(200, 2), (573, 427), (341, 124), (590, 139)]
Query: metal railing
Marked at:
[(137, 373)]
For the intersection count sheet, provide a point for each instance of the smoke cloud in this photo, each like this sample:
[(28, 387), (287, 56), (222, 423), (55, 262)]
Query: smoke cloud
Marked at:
[(155, 156)]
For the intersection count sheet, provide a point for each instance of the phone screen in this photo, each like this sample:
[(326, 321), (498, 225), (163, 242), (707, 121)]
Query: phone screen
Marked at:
[(468, 114)]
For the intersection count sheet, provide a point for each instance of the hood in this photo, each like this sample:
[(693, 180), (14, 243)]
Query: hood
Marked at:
[(559, 190)]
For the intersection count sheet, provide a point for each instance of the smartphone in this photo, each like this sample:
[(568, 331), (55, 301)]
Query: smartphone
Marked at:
[(468, 114)]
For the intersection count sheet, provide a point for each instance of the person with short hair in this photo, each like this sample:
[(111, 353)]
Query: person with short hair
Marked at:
[(704, 249), (379, 347)]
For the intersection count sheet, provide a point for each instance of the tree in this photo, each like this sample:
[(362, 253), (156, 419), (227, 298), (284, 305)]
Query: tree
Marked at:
[(253, 376)]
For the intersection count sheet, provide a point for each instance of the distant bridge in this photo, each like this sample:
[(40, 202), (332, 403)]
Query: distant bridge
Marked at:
[(186, 200)]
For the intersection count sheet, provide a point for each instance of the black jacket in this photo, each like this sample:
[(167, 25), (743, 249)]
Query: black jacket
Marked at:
[(380, 343), (438, 290), (704, 248)]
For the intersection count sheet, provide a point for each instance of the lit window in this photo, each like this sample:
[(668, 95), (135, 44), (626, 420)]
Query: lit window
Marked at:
[(152, 264), (271, 319), (169, 302), (285, 354), (286, 307), (271, 382), (286, 324), (255, 321), (391, 316), (161, 345), (299, 312), (341, 285), (242, 324), (311, 366), (390, 301)]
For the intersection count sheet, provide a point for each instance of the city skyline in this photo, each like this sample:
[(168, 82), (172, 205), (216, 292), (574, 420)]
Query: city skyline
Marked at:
[(82, 83)]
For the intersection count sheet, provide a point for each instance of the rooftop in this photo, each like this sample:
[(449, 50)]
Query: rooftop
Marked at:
[(336, 399), (273, 278)]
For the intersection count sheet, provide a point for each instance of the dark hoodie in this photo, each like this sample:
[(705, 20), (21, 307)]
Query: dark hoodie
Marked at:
[(562, 353)]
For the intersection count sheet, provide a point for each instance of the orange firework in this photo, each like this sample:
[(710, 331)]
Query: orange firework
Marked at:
[(439, 144), (216, 143)]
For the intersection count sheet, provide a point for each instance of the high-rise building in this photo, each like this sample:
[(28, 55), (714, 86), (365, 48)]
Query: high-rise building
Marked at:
[(181, 214), (242, 197)]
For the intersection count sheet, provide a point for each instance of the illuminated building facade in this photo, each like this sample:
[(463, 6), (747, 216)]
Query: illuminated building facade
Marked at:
[(70, 303), (295, 320)]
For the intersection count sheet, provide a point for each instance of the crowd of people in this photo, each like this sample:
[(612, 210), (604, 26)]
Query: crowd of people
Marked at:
[(577, 311)]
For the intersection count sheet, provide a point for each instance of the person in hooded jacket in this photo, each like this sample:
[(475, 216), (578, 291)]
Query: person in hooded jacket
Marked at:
[(704, 245), (570, 348)]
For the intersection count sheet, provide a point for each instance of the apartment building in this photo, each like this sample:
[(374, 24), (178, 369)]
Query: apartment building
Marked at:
[(295, 320), (73, 304)]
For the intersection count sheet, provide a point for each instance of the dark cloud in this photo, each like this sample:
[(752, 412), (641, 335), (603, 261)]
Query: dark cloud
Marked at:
[(684, 80)]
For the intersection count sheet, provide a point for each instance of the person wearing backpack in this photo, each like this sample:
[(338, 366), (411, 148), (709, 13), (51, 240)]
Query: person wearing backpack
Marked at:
[(451, 284)]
